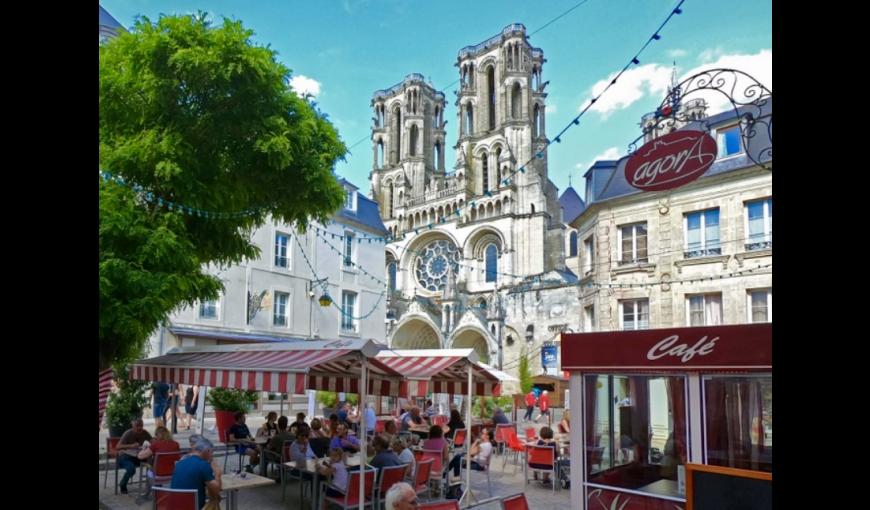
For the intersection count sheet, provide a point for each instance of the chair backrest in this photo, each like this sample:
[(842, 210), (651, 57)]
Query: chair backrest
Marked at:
[(175, 499), (531, 434), (380, 426), (391, 475), (459, 437), (285, 451), (424, 470), (439, 419), (437, 457), (164, 463), (418, 455), (353, 484), (539, 454), (515, 502), (112, 446), (500, 429), (450, 504), (513, 441)]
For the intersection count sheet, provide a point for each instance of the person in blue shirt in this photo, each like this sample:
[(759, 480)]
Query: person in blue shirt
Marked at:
[(371, 419), (160, 392), (199, 471), (343, 441), (499, 418), (241, 435)]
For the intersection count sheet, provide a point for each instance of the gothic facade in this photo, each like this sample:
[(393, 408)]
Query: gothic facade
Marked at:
[(476, 257)]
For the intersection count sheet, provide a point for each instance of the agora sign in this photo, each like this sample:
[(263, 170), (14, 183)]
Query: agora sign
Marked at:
[(671, 161)]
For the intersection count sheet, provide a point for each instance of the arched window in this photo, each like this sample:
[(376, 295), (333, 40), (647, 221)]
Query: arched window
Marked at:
[(438, 163), (535, 115), (391, 275), (540, 124), (469, 119), (484, 165), (390, 210), (516, 101), (471, 74), (533, 208), (530, 333), (492, 329), (491, 262), (380, 154), (490, 87), (396, 149), (412, 142), (435, 117), (572, 244)]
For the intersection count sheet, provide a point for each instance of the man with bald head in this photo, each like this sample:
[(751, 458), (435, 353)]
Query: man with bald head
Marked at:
[(199, 471), (128, 448), (401, 496)]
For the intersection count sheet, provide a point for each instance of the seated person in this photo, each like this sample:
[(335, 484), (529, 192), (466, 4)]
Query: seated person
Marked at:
[(390, 431), (268, 429), (300, 420), (384, 456), (276, 444), (480, 452), (162, 443), (546, 439), (405, 456), (317, 429), (240, 434), (343, 441), (499, 418), (565, 424), (430, 410), (333, 425), (199, 471), (454, 423), (336, 468), (411, 419), (343, 413), (436, 442), (128, 446)]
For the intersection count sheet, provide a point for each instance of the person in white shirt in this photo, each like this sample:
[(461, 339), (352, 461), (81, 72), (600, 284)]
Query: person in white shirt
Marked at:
[(405, 456), (338, 470), (480, 451)]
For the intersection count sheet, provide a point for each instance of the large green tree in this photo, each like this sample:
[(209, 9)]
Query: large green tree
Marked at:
[(201, 141)]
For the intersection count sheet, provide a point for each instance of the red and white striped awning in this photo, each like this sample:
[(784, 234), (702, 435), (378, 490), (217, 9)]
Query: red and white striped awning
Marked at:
[(439, 371), (291, 367)]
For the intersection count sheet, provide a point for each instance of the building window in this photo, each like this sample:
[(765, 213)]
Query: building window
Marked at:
[(588, 255), (572, 244), (702, 234), (348, 199), (348, 311), (491, 263), (208, 310), (728, 141), (469, 119), (348, 249), (634, 314), (759, 218), (589, 318), (484, 161), (704, 309), (279, 309), (391, 275), (530, 333), (632, 243), (738, 432), (759, 303), (281, 243)]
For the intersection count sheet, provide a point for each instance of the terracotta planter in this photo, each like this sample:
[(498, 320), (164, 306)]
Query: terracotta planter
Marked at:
[(224, 420)]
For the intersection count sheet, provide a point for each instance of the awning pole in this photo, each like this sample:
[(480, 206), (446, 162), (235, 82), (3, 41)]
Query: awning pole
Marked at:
[(468, 439), (362, 432)]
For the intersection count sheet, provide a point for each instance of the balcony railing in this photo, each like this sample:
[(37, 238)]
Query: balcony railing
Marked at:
[(760, 245), (702, 252), (431, 197)]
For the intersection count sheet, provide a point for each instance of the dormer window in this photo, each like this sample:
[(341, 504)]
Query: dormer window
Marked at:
[(350, 199), (729, 141)]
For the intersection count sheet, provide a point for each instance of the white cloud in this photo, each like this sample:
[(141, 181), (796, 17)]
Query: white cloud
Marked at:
[(611, 153), (304, 85), (677, 53), (653, 80), (711, 54), (759, 66), (551, 108), (637, 82)]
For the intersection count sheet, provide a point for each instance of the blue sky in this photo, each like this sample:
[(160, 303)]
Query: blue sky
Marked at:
[(344, 50)]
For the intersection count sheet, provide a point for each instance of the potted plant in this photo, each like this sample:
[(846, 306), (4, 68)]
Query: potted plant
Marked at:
[(226, 402), (127, 404), (329, 399)]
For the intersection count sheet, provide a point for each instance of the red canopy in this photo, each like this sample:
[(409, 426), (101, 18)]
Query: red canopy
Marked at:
[(439, 371)]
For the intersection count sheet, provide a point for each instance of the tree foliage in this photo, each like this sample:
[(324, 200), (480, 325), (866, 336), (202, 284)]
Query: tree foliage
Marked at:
[(200, 116), (525, 373)]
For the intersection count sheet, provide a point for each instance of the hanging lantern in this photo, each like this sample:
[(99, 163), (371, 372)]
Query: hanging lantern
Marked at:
[(325, 300)]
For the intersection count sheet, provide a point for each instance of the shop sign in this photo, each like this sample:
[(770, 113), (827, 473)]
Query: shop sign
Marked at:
[(671, 161)]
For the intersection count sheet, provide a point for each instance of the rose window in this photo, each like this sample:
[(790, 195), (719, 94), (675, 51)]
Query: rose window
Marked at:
[(432, 263)]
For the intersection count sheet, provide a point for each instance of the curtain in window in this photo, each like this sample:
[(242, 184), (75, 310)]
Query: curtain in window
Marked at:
[(711, 229), (735, 430), (713, 309), (693, 231), (759, 307), (756, 221), (640, 431), (640, 232), (592, 439), (696, 310), (676, 388)]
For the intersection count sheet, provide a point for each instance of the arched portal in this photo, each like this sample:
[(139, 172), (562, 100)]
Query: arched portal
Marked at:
[(473, 339), (416, 333)]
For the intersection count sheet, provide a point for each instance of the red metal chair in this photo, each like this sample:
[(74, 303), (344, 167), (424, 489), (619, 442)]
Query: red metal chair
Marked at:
[(352, 496), (531, 434), (439, 420), (515, 502), (175, 499), (380, 426), (450, 504), (111, 453), (542, 455), (421, 477), (389, 476), (418, 455), (436, 477), (458, 440), (164, 466), (500, 430), (516, 447)]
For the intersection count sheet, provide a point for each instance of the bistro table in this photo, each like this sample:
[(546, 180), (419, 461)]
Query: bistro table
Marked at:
[(234, 482)]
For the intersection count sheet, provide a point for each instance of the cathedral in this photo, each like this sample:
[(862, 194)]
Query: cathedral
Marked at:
[(476, 255)]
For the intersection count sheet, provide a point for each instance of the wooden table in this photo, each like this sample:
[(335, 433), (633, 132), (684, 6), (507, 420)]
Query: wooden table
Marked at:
[(234, 482)]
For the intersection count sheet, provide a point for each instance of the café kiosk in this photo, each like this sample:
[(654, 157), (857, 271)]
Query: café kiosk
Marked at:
[(646, 403)]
